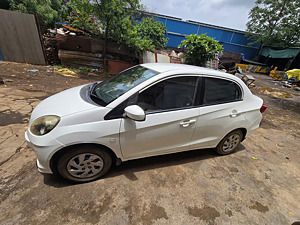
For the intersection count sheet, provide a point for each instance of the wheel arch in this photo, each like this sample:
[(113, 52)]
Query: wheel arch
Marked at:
[(54, 159), (244, 131)]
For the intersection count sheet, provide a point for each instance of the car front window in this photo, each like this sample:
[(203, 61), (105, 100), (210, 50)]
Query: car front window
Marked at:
[(170, 94), (113, 88)]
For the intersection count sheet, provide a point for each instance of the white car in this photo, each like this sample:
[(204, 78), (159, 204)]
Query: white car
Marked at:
[(147, 110)]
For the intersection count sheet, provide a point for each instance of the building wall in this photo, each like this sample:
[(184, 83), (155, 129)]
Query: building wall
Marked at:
[(232, 40)]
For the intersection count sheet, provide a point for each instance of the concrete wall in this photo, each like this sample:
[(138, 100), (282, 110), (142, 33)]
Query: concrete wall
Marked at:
[(163, 58), (150, 57), (20, 38)]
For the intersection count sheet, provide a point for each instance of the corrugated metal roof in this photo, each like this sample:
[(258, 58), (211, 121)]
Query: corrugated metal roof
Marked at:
[(194, 22)]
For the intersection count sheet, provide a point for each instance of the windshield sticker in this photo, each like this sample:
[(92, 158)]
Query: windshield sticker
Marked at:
[(149, 75)]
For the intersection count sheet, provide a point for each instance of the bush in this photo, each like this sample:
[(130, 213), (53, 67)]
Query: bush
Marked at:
[(201, 48)]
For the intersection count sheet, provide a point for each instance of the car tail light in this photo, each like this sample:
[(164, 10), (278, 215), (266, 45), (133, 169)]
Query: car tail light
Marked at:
[(263, 108)]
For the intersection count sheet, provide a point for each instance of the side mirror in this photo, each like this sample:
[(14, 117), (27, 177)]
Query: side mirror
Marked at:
[(135, 112)]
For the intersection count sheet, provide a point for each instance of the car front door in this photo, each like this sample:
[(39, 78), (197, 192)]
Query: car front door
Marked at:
[(171, 116)]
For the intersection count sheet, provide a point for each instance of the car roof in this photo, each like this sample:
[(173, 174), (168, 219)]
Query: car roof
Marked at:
[(183, 68)]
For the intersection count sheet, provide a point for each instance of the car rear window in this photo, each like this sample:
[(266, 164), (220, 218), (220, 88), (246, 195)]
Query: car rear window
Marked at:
[(221, 91)]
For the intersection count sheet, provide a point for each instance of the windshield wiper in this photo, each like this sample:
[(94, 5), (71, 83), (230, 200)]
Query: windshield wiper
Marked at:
[(91, 88), (93, 95)]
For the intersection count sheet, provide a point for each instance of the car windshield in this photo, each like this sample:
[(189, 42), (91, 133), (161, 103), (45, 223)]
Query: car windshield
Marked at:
[(113, 88)]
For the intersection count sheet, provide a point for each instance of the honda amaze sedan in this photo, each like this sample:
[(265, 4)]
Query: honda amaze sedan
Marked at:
[(147, 110)]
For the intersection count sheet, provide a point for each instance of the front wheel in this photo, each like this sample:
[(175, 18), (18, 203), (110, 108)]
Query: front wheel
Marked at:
[(229, 142), (84, 163)]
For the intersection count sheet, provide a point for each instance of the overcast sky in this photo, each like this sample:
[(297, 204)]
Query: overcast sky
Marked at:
[(225, 13)]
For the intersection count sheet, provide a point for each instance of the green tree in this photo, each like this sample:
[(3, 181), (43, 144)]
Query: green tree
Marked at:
[(82, 16), (200, 49), (275, 22), (113, 18), (152, 33), (117, 20), (47, 11), (4, 4)]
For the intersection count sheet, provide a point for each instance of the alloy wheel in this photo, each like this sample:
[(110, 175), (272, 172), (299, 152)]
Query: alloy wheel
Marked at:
[(85, 165), (231, 142)]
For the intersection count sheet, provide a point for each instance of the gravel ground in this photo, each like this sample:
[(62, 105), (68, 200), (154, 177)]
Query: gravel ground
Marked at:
[(259, 184)]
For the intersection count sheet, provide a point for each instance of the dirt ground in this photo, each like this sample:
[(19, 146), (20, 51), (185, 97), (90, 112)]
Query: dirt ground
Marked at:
[(259, 184)]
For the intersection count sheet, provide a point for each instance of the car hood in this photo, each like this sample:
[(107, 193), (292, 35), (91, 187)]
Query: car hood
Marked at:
[(62, 104)]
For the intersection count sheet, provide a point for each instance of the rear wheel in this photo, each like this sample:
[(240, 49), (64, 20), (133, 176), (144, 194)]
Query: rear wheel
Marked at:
[(84, 163), (230, 142)]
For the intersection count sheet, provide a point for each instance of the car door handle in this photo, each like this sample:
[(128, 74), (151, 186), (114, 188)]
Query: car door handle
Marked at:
[(234, 114), (187, 123)]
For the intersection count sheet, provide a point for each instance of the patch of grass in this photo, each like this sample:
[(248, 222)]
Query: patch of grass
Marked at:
[(79, 69), (59, 67)]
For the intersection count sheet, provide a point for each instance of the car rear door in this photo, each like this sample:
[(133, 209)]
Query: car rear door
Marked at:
[(220, 112), (170, 119)]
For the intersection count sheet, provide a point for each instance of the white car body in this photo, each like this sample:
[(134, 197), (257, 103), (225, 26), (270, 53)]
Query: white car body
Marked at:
[(197, 127)]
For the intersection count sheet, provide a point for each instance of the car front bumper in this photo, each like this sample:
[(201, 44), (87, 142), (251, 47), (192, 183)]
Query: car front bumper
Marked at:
[(43, 153)]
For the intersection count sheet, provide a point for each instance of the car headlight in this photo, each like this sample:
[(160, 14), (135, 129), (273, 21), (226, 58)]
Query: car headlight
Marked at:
[(44, 125)]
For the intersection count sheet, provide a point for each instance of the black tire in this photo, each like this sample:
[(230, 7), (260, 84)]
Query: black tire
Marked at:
[(84, 163), (229, 142)]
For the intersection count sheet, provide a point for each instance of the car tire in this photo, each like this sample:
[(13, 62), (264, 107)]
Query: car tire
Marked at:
[(229, 142), (84, 163)]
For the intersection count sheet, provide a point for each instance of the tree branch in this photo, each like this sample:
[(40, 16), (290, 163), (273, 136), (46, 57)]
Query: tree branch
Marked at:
[(279, 18)]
